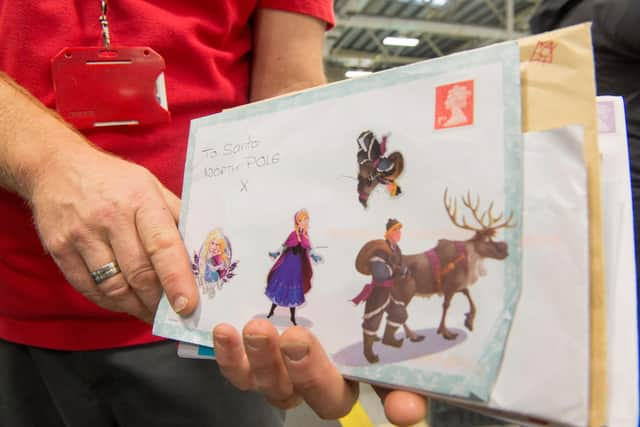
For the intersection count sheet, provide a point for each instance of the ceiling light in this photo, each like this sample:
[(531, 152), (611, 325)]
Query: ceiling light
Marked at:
[(400, 41), (356, 73)]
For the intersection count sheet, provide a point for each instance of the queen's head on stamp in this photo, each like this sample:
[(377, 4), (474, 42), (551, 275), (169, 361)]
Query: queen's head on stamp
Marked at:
[(457, 100)]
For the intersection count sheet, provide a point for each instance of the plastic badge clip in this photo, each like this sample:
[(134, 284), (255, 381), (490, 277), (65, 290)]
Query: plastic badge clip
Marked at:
[(97, 87)]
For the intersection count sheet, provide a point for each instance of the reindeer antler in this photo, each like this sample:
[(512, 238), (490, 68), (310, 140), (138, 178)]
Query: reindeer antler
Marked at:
[(453, 215), (504, 224), (486, 220)]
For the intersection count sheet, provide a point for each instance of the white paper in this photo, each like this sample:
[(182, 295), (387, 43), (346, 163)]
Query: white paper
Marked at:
[(622, 337), (546, 365), (553, 384)]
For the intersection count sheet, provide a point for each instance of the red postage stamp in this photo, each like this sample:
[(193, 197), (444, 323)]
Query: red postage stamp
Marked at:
[(543, 52), (454, 105)]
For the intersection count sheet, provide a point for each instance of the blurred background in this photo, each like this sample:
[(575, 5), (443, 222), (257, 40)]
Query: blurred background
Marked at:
[(374, 35)]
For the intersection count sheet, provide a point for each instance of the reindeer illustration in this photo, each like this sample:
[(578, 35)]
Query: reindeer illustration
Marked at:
[(449, 268)]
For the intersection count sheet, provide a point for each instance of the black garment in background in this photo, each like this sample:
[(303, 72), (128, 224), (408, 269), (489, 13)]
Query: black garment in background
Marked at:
[(141, 386), (616, 43), (616, 39), (552, 14)]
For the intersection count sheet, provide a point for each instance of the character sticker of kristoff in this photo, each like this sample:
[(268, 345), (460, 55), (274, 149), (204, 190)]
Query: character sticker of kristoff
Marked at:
[(290, 277), (214, 266), (382, 259)]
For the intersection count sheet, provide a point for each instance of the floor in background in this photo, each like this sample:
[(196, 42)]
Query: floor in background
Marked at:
[(303, 416), (372, 405), (445, 415)]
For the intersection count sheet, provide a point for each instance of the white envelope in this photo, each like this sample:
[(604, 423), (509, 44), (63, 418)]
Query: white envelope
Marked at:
[(622, 366), (555, 369)]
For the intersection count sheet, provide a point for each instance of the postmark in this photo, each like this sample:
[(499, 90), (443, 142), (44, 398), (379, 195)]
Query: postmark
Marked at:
[(543, 51)]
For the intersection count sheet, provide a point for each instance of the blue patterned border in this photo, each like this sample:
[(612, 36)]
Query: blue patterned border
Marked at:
[(482, 382)]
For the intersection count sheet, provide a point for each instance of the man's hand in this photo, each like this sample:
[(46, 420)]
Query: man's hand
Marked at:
[(294, 367), (92, 208)]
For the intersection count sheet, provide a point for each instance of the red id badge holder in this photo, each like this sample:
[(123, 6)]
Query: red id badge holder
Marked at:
[(117, 86)]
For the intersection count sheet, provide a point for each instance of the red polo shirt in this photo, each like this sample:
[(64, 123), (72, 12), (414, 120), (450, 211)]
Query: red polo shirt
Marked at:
[(207, 48)]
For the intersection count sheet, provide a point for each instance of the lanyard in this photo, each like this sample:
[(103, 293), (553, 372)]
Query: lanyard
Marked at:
[(104, 23), (110, 85)]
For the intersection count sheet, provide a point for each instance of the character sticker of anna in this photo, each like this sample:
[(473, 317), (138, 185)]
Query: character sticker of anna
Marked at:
[(290, 277), (214, 266)]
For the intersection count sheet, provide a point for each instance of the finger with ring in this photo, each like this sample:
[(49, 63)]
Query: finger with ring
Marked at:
[(105, 272)]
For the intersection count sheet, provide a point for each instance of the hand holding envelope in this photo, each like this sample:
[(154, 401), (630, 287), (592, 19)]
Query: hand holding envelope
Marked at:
[(294, 366)]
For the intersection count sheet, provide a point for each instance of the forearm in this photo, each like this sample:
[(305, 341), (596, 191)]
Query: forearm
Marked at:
[(31, 136), (287, 53)]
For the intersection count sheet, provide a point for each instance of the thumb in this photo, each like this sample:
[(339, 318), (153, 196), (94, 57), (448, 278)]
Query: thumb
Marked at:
[(403, 408)]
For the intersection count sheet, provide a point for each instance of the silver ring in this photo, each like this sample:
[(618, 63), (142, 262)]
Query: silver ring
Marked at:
[(106, 271)]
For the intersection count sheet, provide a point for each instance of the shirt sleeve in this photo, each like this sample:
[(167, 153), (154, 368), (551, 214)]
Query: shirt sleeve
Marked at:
[(320, 9)]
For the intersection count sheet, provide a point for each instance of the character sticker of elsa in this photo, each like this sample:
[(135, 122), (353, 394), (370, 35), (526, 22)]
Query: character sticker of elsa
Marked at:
[(213, 266), (290, 277)]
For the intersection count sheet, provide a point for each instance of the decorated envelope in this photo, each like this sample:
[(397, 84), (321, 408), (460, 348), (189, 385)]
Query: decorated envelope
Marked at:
[(383, 213)]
